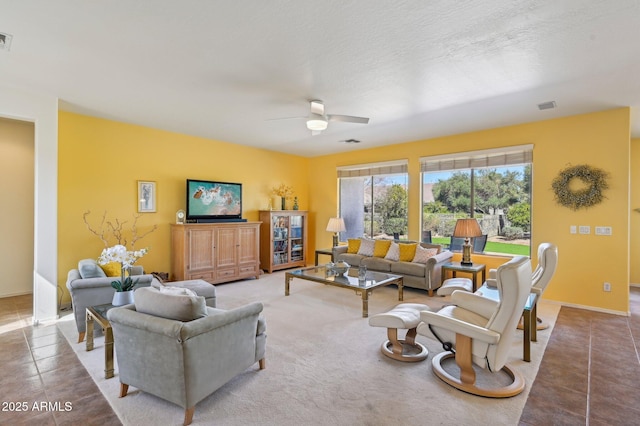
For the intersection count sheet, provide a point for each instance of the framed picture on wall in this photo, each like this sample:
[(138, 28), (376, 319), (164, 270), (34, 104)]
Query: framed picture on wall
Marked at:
[(146, 196)]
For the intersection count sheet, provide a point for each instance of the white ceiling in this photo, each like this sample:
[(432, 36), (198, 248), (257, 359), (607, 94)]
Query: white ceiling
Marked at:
[(418, 69)]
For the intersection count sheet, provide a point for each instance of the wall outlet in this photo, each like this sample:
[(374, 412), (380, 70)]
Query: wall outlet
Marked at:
[(607, 287), (573, 229), (603, 230), (585, 229)]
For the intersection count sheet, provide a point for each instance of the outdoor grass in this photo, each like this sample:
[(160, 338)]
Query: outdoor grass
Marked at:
[(494, 247)]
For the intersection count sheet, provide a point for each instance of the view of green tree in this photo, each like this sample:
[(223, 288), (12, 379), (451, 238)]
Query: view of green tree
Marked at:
[(393, 209), (454, 192), (520, 215)]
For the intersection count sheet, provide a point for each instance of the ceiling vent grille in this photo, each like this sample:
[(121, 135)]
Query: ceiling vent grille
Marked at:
[(547, 105), (350, 141), (5, 41)]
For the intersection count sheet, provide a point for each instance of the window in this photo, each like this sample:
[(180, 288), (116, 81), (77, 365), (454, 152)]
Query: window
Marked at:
[(373, 200), (494, 186)]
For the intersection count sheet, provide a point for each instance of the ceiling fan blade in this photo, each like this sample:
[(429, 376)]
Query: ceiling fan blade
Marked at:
[(348, 119), (317, 107)]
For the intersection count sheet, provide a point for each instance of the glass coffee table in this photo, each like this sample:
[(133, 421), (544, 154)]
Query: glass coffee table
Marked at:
[(348, 280), (99, 314)]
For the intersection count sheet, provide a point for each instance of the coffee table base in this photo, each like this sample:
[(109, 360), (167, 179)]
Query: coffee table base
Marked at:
[(108, 340), (362, 291)]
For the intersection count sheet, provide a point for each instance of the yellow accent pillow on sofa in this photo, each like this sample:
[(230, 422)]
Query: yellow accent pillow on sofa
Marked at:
[(353, 245), (407, 252), (381, 247), (112, 269)]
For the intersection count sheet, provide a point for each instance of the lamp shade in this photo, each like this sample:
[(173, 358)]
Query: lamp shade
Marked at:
[(467, 228), (336, 224)]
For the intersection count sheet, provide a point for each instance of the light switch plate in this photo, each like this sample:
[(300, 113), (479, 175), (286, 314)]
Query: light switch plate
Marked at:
[(585, 229), (573, 229), (603, 230)]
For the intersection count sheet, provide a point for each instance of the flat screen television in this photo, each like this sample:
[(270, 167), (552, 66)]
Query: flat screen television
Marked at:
[(212, 201)]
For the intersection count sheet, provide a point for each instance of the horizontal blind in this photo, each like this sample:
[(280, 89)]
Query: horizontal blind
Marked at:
[(507, 156), (385, 168)]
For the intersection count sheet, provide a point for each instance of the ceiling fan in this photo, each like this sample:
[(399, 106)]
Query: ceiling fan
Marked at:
[(317, 120)]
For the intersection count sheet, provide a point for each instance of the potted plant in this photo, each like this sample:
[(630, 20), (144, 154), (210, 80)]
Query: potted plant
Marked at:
[(126, 259)]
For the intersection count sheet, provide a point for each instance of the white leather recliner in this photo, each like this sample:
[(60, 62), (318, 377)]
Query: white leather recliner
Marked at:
[(477, 330)]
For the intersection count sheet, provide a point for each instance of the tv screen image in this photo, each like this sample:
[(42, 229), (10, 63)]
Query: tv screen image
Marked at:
[(213, 200)]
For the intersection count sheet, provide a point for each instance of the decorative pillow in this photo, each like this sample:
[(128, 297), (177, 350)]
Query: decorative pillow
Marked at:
[(380, 248), (407, 252), (423, 254), (89, 268), (353, 245), (366, 247), (180, 307), (393, 253), (112, 269)]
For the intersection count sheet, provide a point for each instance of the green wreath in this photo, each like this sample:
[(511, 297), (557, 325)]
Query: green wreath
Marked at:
[(594, 178)]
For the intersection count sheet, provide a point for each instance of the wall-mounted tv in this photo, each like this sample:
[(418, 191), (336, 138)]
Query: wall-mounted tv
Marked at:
[(212, 201)]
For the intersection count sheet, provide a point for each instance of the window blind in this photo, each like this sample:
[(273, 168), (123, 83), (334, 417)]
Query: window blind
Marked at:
[(384, 168), (507, 156)]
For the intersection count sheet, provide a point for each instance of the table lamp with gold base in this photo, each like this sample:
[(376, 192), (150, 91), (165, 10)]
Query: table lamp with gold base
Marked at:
[(467, 228)]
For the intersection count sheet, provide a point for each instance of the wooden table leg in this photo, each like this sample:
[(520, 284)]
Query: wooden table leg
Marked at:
[(400, 290), (287, 278), (534, 322), (89, 335), (526, 342)]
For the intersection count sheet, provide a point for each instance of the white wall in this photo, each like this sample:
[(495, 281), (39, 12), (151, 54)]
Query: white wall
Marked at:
[(43, 112)]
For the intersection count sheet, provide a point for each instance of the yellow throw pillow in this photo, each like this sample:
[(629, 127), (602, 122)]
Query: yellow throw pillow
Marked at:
[(353, 245), (407, 252), (381, 247), (112, 269)]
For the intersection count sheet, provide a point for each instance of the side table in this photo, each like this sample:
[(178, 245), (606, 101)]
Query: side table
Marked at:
[(474, 269), (326, 252), (99, 315)]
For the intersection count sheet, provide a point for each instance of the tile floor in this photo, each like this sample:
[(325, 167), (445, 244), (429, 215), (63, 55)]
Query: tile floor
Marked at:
[(590, 372)]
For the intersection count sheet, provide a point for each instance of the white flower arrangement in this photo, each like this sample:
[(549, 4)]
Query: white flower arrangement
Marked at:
[(126, 258)]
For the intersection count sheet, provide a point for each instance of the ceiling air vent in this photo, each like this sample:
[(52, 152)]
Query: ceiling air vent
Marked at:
[(350, 141), (5, 41), (547, 105)]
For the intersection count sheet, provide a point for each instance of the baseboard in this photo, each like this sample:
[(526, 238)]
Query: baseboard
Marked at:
[(634, 285), (589, 308)]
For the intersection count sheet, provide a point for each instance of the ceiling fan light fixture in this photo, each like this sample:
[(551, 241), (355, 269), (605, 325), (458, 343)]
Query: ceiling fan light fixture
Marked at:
[(316, 122)]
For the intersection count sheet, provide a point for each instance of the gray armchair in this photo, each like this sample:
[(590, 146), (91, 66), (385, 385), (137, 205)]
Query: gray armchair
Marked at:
[(89, 286), (177, 348)]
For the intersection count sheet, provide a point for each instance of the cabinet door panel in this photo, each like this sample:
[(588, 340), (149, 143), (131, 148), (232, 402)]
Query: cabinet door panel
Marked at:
[(226, 246), (200, 249), (248, 250)]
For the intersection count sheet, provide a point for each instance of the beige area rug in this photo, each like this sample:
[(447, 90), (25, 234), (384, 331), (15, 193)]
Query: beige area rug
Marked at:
[(324, 367)]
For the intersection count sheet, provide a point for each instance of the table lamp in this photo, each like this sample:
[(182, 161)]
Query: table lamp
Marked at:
[(335, 225), (467, 228)]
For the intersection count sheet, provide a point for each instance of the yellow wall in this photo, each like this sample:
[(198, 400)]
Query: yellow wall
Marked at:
[(635, 215), (16, 217), (585, 261), (100, 162)]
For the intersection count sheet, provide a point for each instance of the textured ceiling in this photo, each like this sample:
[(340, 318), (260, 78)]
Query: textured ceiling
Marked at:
[(418, 69)]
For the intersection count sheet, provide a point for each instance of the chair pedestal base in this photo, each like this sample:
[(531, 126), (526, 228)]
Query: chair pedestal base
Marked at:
[(406, 350), (469, 384)]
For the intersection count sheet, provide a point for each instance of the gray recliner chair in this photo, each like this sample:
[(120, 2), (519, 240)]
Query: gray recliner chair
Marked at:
[(178, 349), (89, 286)]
